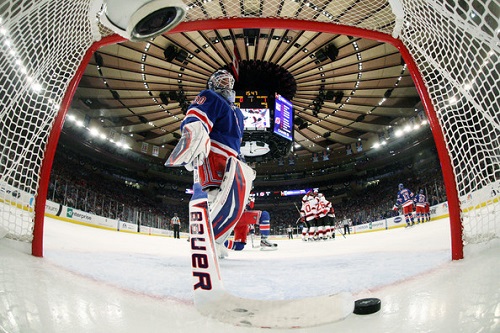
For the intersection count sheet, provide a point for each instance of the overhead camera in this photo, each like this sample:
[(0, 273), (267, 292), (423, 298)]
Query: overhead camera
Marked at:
[(139, 20)]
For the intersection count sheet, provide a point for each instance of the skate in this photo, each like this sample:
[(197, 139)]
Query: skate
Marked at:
[(266, 245)]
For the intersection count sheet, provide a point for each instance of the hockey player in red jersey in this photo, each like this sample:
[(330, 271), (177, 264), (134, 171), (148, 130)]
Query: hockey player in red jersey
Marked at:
[(212, 132), (249, 218), (405, 199), (420, 205)]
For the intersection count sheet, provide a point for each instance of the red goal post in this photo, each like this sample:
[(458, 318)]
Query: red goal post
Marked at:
[(452, 58)]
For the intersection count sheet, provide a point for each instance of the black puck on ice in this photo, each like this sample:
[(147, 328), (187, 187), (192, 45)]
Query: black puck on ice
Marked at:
[(366, 306)]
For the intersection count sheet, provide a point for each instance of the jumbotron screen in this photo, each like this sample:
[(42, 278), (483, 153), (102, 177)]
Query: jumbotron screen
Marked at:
[(254, 106), (256, 118), (283, 117)]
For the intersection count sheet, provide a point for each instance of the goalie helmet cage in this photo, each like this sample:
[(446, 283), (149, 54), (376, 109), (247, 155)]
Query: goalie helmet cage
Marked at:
[(450, 49)]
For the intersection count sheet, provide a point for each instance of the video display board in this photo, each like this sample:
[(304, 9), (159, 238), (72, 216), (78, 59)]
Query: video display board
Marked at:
[(283, 117), (254, 106)]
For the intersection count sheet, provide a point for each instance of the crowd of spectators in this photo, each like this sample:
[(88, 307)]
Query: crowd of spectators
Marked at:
[(81, 183), (88, 185)]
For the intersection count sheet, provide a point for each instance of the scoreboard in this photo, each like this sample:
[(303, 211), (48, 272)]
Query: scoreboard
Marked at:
[(251, 99)]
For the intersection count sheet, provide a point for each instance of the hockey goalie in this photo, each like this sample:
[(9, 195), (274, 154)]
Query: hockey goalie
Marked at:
[(210, 146), (211, 139)]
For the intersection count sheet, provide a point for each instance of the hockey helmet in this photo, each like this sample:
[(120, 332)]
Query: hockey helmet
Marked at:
[(421, 191), (400, 186), (222, 82)]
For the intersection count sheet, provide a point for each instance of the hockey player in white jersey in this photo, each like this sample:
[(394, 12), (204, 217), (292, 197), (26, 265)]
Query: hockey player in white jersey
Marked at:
[(325, 212), (308, 215), (212, 132)]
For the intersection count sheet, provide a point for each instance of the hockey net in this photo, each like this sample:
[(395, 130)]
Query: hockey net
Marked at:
[(456, 47), (453, 44)]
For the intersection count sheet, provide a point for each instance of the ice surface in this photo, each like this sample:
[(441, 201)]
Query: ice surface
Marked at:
[(94, 280)]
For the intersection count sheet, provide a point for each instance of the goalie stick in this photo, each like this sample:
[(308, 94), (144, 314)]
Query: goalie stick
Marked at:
[(212, 300)]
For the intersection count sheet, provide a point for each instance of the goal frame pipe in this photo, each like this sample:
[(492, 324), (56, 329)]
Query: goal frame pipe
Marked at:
[(51, 147), (273, 23)]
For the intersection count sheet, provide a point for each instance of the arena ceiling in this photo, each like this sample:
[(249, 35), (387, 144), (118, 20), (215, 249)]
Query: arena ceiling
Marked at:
[(344, 89)]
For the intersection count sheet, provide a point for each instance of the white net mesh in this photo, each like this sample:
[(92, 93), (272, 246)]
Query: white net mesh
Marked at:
[(40, 53), (454, 44), (456, 48), (368, 14)]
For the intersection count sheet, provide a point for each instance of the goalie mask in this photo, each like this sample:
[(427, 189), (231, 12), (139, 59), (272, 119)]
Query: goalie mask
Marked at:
[(222, 82)]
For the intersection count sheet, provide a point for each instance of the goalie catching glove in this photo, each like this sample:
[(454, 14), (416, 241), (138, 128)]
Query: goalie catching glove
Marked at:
[(194, 145)]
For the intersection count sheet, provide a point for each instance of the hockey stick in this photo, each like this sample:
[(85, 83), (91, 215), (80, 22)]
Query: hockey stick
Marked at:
[(343, 235), (296, 207), (298, 210), (212, 299)]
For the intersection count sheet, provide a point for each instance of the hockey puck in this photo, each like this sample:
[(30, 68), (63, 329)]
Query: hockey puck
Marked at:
[(366, 306)]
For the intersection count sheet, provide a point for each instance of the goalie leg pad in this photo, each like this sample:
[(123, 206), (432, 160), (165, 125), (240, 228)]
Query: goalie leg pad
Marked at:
[(227, 206)]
